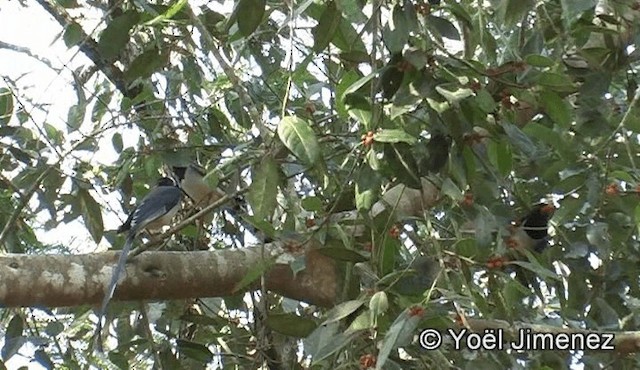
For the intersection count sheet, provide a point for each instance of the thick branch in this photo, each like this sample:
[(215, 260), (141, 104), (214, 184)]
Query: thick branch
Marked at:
[(71, 280)]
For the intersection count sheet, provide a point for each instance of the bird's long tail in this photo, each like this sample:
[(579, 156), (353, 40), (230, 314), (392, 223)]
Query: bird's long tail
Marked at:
[(97, 336)]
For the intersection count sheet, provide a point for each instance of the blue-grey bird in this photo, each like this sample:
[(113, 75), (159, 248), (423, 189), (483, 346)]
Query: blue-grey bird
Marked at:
[(156, 209)]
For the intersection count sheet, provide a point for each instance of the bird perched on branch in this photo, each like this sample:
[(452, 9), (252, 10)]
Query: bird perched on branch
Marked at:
[(155, 210), (191, 180), (531, 231)]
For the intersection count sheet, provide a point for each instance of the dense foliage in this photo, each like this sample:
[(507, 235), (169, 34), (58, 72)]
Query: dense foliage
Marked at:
[(317, 108)]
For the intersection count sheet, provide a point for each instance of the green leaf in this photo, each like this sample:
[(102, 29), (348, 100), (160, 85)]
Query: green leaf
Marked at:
[(168, 13), (512, 11), (311, 204), (73, 35), (402, 164), (536, 60), (145, 64), (367, 188), (393, 136), (264, 188), (116, 141), (299, 138), (520, 140), (6, 105), (342, 254), (91, 214), (342, 310), (485, 101), (538, 269), (116, 36), (500, 156), (378, 304), (573, 9), (395, 33), (556, 108), (444, 27), (556, 81), (253, 274), (13, 338), (402, 329), (195, 351), (250, 14), (75, 117), (326, 28), (454, 96), (290, 324)]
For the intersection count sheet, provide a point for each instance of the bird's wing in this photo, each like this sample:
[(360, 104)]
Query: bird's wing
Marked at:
[(157, 203)]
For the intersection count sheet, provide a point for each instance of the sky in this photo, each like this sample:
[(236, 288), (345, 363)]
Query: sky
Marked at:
[(34, 29)]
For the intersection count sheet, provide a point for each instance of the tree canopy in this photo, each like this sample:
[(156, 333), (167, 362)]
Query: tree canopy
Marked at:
[(376, 158)]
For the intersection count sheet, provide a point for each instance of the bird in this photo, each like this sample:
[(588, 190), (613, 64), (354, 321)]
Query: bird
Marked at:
[(191, 181), (156, 209), (531, 231)]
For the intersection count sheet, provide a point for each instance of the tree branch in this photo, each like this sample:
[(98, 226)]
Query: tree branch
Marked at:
[(71, 280)]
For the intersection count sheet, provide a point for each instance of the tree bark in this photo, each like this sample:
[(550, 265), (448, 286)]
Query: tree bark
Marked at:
[(70, 280)]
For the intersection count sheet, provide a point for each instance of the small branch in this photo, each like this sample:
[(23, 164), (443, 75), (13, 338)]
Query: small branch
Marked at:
[(28, 52)]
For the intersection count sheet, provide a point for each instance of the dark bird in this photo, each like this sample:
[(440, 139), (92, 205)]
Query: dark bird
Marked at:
[(531, 231), (438, 153), (155, 210)]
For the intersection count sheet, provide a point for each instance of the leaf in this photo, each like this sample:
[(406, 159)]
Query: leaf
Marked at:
[(264, 188), (325, 341), (573, 9), (556, 108), (398, 334), (116, 36), (500, 156), (444, 27), (512, 11), (326, 28), (299, 138), (73, 35), (116, 141), (195, 351), (367, 188), (395, 33), (342, 310), (253, 274), (537, 268), (456, 96), (250, 14), (6, 105), (168, 13), (91, 214), (342, 254), (403, 165), (556, 81), (13, 338), (520, 140), (393, 136), (311, 204), (145, 64), (75, 117), (290, 324), (378, 304), (536, 60)]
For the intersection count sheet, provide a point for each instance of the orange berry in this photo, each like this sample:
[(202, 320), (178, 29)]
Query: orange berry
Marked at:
[(367, 361), (612, 189), (394, 232), (416, 311)]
